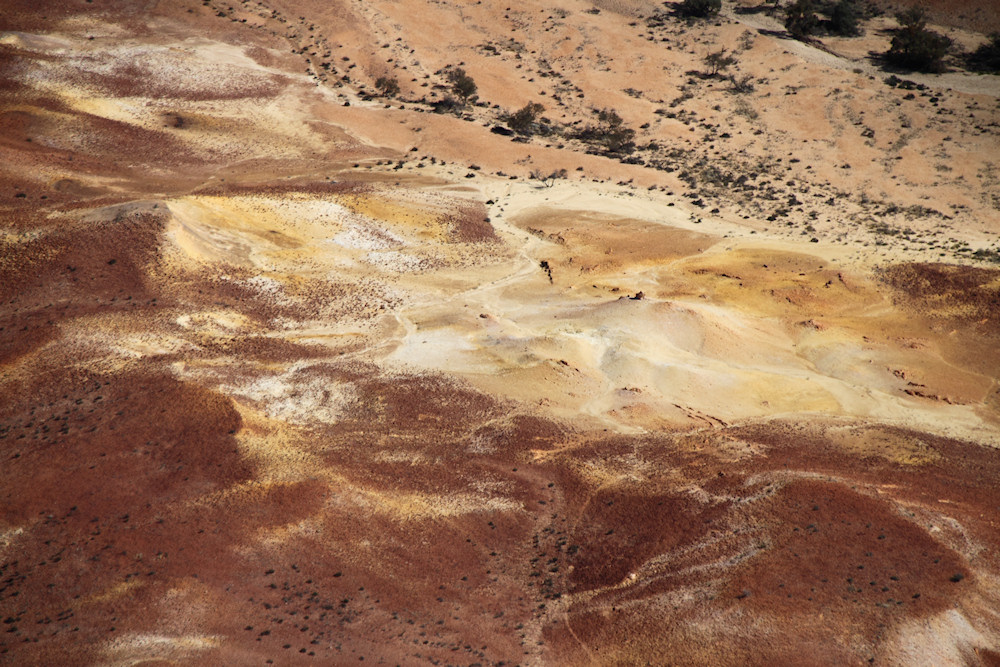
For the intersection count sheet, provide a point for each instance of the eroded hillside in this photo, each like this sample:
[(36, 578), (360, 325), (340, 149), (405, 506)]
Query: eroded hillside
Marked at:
[(293, 372)]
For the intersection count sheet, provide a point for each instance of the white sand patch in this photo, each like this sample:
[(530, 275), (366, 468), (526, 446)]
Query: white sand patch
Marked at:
[(138, 648), (295, 396), (265, 286), (34, 42), (396, 262), (419, 506), (440, 349), (9, 536), (202, 241), (366, 238), (218, 320), (947, 638), (138, 346)]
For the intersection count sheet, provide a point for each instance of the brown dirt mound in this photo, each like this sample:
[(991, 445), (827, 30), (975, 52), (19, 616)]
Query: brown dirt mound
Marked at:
[(950, 291), (470, 224), (71, 273), (843, 549), (98, 473)]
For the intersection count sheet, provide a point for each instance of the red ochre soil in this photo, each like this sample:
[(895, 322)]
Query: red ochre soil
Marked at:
[(137, 518), (822, 547), (109, 475), (149, 518), (106, 476)]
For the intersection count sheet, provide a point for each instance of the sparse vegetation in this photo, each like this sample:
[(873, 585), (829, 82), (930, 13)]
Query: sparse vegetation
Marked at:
[(987, 255), (914, 47), (719, 61), (745, 110), (746, 40)]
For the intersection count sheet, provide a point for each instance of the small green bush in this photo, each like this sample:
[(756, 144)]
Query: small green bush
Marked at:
[(718, 62), (610, 133), (462, 84), (845, 19), (387, 85)]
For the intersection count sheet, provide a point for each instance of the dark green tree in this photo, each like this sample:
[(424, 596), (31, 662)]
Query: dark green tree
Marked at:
[(522, 120), (987, 57), (800, 19), (462, 84), (610, 133), (914, 47), (699, 8), (614, 135), (845, 19)]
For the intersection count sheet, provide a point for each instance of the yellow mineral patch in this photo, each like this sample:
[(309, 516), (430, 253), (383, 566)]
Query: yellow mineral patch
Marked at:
[(286, 459), (904, 448), (275, 446), (116, 592), (420, 220), (778, 283), (597, 244), (420, 506), (141, 649)]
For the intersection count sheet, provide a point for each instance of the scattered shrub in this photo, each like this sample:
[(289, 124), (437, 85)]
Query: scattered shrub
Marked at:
[(718, 62), (448, 105), (742, 84), (522, 121), (462, 84), (610, 132), (387, 85), (548, 180), (616, 137)]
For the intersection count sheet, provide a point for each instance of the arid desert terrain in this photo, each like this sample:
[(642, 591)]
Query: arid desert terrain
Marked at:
[(308, 357)]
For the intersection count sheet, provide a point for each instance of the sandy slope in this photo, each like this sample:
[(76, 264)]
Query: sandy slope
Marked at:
[(294, 374)]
